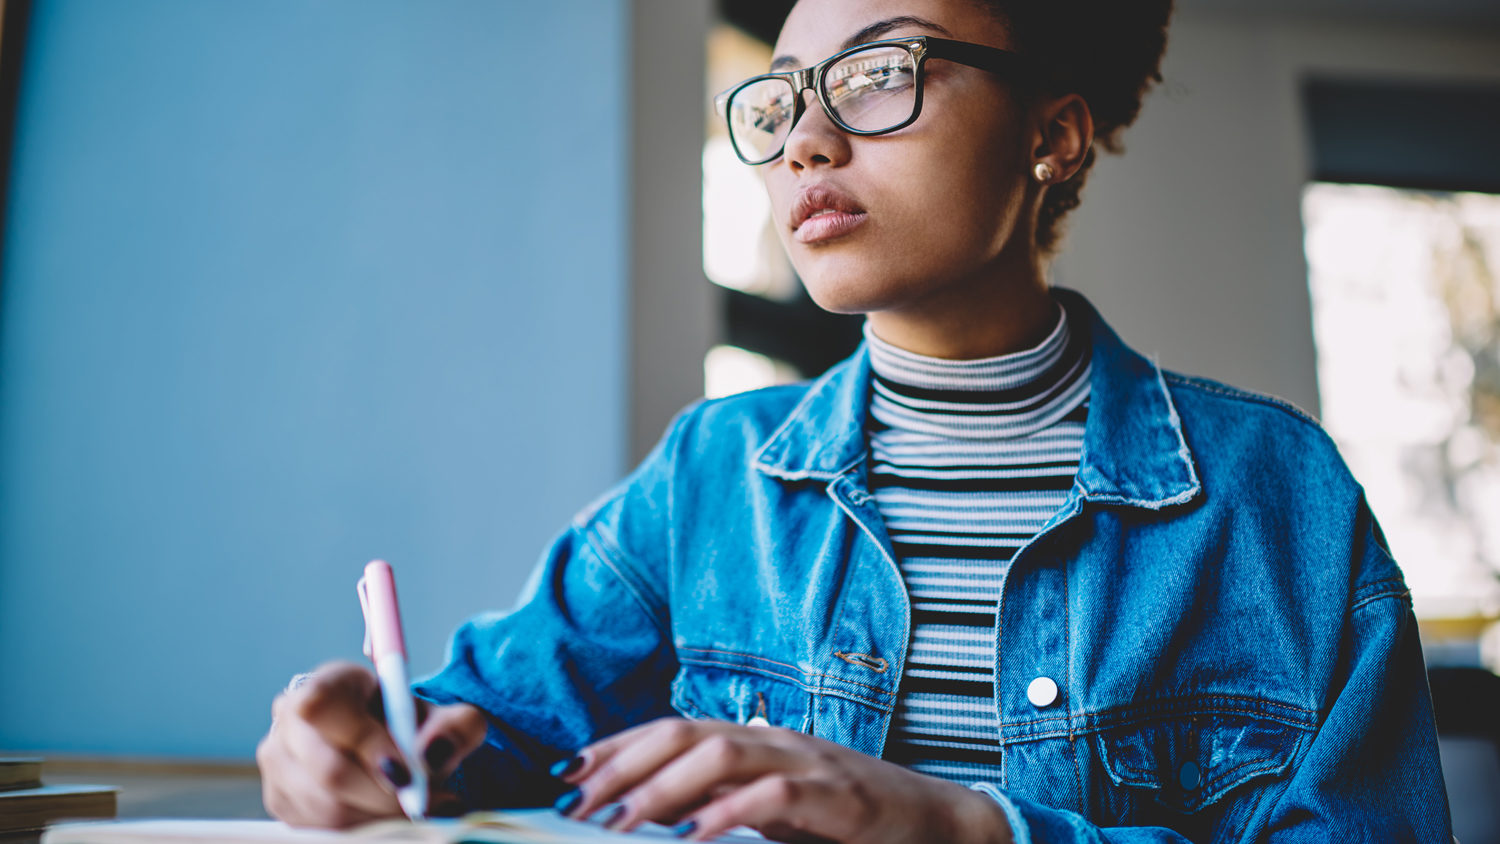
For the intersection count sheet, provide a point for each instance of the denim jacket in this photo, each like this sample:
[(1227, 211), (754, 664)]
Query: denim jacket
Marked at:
[(1234, 646)]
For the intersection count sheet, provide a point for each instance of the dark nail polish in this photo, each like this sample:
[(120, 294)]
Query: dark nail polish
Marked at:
[(568, 802), (566, 766), (445, 804), (394, 771), (438, 753), (684, 829), (615, 812)]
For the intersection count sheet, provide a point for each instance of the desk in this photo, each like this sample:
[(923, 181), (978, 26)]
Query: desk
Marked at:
[(163, 789)]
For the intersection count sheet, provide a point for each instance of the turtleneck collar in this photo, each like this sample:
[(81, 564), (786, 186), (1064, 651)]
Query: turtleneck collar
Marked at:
[(1006, 396)]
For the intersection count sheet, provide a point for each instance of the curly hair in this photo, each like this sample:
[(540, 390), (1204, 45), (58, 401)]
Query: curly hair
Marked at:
[(1107, 51)]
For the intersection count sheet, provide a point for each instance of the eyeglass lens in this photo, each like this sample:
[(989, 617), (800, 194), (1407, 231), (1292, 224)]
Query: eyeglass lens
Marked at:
[(869, 91)]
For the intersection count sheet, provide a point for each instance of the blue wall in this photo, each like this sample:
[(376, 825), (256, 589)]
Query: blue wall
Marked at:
[(288, 286)]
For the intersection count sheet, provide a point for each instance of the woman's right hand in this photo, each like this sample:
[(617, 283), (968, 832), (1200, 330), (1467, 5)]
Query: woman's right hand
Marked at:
[(328, 760)]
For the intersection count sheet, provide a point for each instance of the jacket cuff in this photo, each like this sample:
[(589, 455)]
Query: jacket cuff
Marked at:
[(1020, 831)]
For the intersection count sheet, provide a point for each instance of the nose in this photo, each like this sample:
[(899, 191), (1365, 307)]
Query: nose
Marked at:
[(815, 140)]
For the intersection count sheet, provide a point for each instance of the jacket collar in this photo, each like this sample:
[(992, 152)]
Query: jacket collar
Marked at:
[(1134, 452)]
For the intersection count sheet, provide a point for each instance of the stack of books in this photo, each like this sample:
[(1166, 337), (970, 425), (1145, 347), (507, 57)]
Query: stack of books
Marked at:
[(27, 807)]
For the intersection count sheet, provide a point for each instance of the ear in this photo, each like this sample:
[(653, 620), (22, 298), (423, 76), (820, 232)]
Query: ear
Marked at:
[(1064, 133)]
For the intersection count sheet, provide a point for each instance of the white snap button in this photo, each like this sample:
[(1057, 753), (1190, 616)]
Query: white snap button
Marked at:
[(1188, 776), (758, 721), (1042, 692)]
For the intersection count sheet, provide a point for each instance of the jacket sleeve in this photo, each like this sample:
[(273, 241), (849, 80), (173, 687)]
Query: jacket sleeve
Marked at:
[(585, 653), (1371, 770)]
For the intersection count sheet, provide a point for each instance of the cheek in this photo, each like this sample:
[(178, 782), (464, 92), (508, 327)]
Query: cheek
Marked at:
[(961, 174), (966, 200), (983, 161), (781, 190)]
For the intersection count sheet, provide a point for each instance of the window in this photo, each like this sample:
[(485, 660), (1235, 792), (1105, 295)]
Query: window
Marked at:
[(775, 333), (1403, 250), (1406, 317)]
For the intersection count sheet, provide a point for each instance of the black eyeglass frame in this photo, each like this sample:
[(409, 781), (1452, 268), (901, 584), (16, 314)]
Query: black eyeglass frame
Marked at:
[(920, 47)]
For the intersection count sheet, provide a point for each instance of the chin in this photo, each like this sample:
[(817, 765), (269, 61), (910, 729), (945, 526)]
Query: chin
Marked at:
[(844, 282), (852, 294)]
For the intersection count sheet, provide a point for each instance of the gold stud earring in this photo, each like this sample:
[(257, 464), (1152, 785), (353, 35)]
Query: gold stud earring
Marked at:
[(1043, 172)]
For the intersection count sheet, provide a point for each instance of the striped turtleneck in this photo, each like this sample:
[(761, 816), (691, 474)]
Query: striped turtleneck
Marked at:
[(968, 459)]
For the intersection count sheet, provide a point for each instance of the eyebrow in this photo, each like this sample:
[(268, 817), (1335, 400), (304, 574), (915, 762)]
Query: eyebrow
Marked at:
[(869, 33)]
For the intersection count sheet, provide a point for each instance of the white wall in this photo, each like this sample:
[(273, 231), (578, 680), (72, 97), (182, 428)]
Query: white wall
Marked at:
[(1191, 243)]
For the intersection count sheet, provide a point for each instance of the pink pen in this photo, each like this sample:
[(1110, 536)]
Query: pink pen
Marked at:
[(386, 647)]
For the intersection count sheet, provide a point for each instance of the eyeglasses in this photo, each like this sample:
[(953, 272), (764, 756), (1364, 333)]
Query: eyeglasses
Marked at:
[(870, 89)]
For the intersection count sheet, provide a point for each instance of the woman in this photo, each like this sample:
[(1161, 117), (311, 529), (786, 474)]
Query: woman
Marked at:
[(994, 578)]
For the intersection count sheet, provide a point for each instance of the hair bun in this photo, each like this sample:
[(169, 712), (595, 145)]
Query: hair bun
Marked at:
[(1107, 51)]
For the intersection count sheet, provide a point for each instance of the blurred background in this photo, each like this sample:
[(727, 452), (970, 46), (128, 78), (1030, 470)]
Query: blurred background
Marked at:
[(286, 286)]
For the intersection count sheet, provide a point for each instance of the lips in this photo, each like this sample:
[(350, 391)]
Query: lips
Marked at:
[(823, 212)]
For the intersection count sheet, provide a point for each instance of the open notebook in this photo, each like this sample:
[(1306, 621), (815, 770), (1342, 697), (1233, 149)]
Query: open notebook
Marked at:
[(534, 826)]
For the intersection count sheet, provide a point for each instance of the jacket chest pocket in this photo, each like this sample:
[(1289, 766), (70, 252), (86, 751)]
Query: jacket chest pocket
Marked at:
[(1182, 765), (742, 696)]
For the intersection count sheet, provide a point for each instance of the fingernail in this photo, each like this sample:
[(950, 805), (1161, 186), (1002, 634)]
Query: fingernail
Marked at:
[(568, 802), (445, 805), (438, 753), (684, 829), (394, 771), (615, 813), (566, 766)]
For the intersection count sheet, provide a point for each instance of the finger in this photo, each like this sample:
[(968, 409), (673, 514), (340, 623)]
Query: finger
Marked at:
[(297, 803), (784, 807), (338, 701), (367, 785), (621, 762), (269, 759), (711, 767), (376, 706), (590, 758), (445, 804), (449, 734), (305, 804), (293, 793)]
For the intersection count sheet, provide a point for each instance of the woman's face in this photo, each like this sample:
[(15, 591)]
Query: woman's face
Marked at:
[(937, 202)]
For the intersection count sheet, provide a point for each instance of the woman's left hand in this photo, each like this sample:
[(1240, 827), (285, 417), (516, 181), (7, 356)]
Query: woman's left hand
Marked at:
[(708, 777)]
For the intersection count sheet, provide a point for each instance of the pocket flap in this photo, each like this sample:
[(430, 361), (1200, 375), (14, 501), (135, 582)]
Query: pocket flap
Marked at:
[(1190, 761), (728, 694)]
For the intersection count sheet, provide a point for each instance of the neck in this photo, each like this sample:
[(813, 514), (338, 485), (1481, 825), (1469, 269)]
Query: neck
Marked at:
[(995, 315)]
